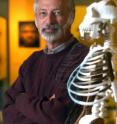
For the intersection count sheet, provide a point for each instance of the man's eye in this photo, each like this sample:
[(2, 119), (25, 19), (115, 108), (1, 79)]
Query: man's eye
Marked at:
[(42, 14), (57, 13)]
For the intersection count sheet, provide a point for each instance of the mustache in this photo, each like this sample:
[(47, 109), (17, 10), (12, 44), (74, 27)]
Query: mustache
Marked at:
[(51, 26)]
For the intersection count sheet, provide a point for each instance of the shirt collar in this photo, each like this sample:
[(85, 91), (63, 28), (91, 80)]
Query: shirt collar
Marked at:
[(58, 48)]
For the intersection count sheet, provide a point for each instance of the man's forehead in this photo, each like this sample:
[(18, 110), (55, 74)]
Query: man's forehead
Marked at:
[(54, 3)]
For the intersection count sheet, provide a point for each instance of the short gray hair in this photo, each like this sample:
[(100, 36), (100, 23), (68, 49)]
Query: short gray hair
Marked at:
[(71, 6)]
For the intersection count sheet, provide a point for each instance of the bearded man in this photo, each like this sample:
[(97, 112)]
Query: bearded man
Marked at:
[(39, 94)]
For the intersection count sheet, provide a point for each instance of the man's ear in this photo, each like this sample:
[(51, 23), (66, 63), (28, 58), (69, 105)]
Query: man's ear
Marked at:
[(71, 18), (36, 22)]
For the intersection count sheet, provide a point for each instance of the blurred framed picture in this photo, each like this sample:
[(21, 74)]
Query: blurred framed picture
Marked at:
[(28, 34)]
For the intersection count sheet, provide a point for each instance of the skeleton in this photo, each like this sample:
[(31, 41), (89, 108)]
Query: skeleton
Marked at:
[(92, 78), (96, 77)]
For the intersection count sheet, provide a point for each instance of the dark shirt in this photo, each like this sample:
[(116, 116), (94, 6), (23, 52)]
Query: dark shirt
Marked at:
[(41, 76)]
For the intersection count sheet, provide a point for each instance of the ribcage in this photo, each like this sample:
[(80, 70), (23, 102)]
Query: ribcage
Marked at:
[(92, 78)]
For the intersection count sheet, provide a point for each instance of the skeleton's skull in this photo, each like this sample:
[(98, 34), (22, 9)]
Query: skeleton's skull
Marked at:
[(98, 18)]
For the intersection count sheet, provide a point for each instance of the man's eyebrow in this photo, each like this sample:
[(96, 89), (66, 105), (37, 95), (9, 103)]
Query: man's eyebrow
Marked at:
[(42, 9), (52, 10), (56, 9)]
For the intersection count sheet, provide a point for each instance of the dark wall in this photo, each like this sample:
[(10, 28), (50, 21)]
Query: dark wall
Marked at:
[(84, 2), (3, 8), (4, 13), (4, 5)]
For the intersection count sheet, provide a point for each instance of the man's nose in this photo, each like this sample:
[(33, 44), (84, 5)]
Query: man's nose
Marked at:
[(51, 19)]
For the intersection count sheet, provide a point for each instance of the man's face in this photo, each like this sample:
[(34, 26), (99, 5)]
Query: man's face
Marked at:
[(52, 16)]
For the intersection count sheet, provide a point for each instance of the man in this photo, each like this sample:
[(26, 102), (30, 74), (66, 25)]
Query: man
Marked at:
[(39, 95)]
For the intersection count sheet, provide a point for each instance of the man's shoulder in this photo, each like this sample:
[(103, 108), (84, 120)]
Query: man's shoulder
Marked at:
[(35, 55), (33, 58), (78, 47)]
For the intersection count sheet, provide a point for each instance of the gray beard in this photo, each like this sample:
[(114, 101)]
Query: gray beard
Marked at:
[(51, 37)]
